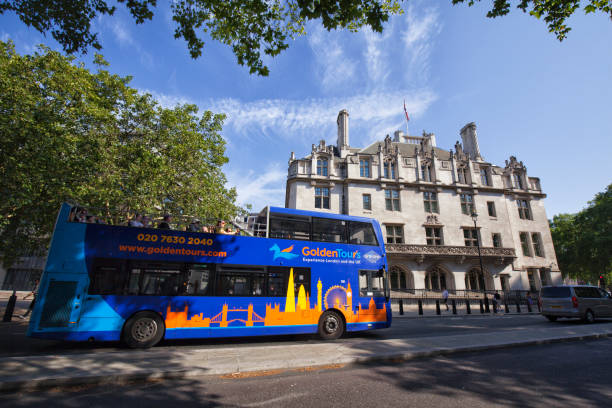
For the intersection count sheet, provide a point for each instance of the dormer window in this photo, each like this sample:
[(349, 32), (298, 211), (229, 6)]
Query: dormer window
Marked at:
[(364, 167), (517, 181), (426, 172), (322, 165), (389, 170), (484, 177), (463, 174)]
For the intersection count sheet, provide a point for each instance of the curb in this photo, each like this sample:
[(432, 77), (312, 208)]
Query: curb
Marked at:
[(391, 357), (463, 315)]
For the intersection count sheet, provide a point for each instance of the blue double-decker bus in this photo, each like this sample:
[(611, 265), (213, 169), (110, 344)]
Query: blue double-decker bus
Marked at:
[(304, 272)]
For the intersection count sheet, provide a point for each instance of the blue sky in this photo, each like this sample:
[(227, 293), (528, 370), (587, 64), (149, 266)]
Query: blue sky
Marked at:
[(548, 103)]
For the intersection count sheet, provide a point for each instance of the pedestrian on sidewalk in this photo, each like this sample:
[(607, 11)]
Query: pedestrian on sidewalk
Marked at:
[(496, 300), (33, 302), (445, 298)]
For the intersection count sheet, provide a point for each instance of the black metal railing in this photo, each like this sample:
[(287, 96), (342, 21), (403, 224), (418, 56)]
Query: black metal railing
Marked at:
[(466, 301)]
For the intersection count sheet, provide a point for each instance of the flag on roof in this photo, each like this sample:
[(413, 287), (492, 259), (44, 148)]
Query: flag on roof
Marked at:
[(406, 112)]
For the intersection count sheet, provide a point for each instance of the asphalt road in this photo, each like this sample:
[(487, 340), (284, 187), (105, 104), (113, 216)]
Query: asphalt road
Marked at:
[(575, 374), (13, 341)]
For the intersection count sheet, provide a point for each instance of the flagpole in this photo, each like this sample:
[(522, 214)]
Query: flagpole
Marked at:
[(407, 119)]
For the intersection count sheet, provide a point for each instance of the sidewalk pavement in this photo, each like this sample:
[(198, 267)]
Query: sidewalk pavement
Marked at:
[(44, 371)]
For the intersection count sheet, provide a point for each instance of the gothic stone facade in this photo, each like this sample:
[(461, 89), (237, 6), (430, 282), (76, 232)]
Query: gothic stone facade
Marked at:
[(424, 198)]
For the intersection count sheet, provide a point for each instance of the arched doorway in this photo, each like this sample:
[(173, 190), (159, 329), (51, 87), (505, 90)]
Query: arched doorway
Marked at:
[(401, 279), (438, 279), (478, 281)]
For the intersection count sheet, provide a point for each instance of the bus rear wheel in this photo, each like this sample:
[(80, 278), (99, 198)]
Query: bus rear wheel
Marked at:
[(143, 330), (331, 325)]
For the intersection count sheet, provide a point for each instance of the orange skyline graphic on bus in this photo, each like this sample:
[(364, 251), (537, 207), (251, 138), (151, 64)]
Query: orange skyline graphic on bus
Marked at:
[(297, 312)]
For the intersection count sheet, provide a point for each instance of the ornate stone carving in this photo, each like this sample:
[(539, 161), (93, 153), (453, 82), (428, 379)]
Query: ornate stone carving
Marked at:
[(322, 148), (432, 220), (388, 148), (459, 153), (410, 162), (445, 250), (514, 164)]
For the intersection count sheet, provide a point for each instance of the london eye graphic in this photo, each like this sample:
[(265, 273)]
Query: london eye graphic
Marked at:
[(336, 296)]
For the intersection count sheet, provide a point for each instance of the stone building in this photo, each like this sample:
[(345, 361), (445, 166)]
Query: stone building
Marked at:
[(424, 197)]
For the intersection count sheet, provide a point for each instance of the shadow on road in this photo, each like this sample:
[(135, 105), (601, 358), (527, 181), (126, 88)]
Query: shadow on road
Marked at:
[(519, 376)]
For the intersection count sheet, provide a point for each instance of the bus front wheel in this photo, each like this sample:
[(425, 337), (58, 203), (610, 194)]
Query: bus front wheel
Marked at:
[(143, 330), (331, 325)]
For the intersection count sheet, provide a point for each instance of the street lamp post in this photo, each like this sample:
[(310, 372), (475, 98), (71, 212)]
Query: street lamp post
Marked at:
[(475, 217)]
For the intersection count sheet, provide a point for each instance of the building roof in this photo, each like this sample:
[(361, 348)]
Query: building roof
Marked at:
[(406, 149)]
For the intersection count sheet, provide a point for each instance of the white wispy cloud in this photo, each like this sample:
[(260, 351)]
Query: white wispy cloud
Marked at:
[(260, 188), (290, 119), (167, 100), (421, 28), (375, 61), (332, 64), (125, 40)]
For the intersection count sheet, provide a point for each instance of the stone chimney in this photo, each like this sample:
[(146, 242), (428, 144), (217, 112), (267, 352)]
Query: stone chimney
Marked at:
[(343, 133), (432, 139), (398, 136), (470, 141)]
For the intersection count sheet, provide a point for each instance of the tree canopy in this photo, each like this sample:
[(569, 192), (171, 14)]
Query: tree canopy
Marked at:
[(249, 27), (70, 134), (583, 241), (553, 12)]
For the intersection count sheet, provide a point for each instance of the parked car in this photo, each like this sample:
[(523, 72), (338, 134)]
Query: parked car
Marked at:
[(575, 301)]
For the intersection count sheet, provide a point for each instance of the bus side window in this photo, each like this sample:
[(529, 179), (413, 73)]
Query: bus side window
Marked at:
[(233, 285), (361, 233), (106, 280), (161, 282), (371, 283), (301, 277), (198, 283), (277, 281), (258, 284), (134, 282), (289, 227), (328, 230), (378, 285)]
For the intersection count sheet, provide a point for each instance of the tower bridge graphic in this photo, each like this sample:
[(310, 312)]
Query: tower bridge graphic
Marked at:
[(297, 312), (221, 319)]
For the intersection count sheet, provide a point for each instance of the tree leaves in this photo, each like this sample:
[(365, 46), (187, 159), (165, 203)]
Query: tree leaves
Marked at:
[(553, 12), (583, 241), (69, 134), (252, 28)]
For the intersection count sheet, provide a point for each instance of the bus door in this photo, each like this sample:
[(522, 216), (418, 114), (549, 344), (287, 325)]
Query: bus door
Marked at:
[(60, 305)]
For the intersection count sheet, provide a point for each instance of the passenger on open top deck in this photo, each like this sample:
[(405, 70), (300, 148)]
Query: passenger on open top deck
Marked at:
[(195, 226), (136, 221), (165, 224)]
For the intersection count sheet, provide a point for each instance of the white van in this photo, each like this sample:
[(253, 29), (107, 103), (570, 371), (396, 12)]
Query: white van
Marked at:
[(575, 301)]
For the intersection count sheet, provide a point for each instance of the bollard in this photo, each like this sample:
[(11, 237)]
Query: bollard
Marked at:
[(506, 306), (420, 307), (401, 307), (10, 307), (529, 307), (518, 307), (486, 304), (481, 306), (454, 306), (467, 306), (437, 307)]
